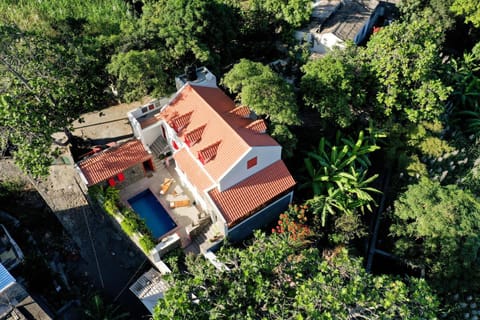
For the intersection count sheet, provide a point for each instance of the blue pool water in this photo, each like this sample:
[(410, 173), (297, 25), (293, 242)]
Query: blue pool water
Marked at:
[(146, 205)]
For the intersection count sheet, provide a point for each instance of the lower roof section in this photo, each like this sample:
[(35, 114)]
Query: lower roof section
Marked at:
[(245, 198), (112, 161)]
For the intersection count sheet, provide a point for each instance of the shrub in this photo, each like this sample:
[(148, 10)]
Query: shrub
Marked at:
[(128, 226), (147, 243)]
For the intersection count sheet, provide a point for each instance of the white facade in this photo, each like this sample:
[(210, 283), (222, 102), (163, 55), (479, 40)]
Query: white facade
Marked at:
[(265, 156)]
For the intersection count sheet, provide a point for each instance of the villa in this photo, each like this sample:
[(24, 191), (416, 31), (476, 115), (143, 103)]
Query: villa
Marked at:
[(198, 170), (221, 152)]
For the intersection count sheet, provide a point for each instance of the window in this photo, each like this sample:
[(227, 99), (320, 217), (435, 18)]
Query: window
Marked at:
[(144, 109), (252, 163)]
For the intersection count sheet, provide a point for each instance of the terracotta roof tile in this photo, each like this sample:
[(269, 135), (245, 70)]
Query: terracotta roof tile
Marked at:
[(178, 123), (259, 126), (193, 136), (209, 152), (246, 197), (112, 161), (241, 111), (192, 169), (211, 107)]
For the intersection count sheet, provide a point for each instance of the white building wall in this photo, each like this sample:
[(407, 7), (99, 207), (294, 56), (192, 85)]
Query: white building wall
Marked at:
[(150, 134), (238, 172), (329, 41)]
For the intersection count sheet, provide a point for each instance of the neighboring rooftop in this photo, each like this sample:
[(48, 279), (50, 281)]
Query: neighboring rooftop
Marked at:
[(349, 18), (321, 10), (112, 161), (15, 302)]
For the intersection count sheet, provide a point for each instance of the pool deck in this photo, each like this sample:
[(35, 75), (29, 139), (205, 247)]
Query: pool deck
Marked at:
[(183, 216)]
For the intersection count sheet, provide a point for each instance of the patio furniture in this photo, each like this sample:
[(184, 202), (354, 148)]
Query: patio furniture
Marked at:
[(165, 185), (111, 182), (121, 177), (179, 203)]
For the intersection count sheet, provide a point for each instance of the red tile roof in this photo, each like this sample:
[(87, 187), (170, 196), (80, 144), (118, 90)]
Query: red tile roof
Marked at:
[(241, 111), (193, 136), (209, 152), (246, 197), (259, 126), (212, 108), (113, 161), (188, 165), (178, 123)]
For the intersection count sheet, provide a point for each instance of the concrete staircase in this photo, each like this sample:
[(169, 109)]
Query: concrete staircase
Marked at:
[(159, 147)]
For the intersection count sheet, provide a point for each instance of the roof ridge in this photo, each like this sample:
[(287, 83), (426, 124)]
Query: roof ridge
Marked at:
[(218, 115)]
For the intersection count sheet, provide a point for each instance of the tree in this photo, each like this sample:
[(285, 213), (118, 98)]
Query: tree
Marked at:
[(139, 73), (337, 86), (45, 85), (469, 9), (438, 228), (294, 13), (437, 12), (268, 95), (276, 278), (405, 61)]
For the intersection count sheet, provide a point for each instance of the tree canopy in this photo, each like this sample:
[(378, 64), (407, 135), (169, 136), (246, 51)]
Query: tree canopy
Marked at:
[(46, 84), (438, 228), (267, 94), (275, 278), (337, 86), (404, 58)]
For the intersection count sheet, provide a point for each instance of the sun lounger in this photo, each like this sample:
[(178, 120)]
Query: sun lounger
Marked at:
[(179, 203), (165, 185)]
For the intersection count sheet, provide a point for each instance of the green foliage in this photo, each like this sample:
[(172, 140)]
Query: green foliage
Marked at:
[(96, 309), (293, 12), (139, 73), (101, 17), (258, 87), (131, 222), (437, 12), (416, 168), (10, 189), (268, 95), (147, 243), (336, 86), (404, 59), (438, 228), (271, 279), (469, 9), (42, 80), (338, 178)]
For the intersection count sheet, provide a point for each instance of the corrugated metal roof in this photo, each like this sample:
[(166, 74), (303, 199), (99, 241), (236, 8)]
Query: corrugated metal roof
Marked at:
[(6, 278), (244, 198), (112, 161)]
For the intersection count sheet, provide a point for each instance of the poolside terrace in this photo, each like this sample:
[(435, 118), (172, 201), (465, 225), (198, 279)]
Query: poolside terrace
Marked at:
[(194, 226)]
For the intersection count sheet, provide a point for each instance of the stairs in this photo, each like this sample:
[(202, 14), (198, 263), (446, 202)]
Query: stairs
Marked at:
[(159, 146)]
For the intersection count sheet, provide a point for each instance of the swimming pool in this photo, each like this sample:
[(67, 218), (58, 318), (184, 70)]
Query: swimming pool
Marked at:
[(146, 205)]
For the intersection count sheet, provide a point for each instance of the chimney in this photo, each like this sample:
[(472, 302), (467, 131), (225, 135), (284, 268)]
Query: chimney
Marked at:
[(191, 73)]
